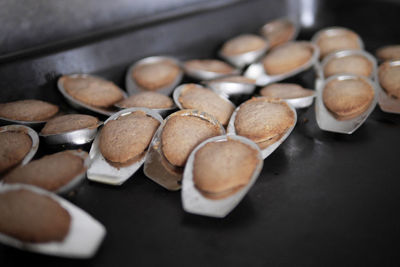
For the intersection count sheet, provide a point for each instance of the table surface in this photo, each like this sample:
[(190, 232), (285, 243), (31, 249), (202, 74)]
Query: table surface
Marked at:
[(322, 199)]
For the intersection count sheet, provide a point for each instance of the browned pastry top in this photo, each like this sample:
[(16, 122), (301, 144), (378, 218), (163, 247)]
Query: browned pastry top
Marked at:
[(389, 78), (153, 76), (235, 79), (242, 44), (92, 90), (222, 168), (287, 57), (261, 119), (354, 64), (31, 217), (70, 122), (148, 100), (202, 99), (28, 110), (127, 137), (212, 65), (347, 99), (278, 32), (390, 52), (181, 134), (329, 42), (285, 91), (13, 148), (50, 172)]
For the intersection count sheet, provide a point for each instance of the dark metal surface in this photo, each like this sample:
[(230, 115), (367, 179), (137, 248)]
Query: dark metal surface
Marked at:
[(322, 199)]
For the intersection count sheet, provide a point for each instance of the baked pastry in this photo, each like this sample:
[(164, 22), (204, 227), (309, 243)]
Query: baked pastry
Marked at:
[(92, 90), (181, 134), (156, 75), (220, 169), (263, 120), (347, 99), (243, 44), (234, 79), (196, 97), (354, 64), (148, 100), (287, 57), (127, 137), (14, 146), (390, 52), (211, 65), (278, 32), (50, 172), (68, 123), (285, 91), (31, 217), (28, 110), (389, 78), (337, 40)]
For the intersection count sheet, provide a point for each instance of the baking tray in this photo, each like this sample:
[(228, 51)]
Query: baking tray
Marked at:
[(322, 199)]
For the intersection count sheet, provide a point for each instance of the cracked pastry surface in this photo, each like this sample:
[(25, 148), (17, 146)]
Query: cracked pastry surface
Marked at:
[(14, 146), (28, 110), (354, 64), (70, 122), (148, 100)]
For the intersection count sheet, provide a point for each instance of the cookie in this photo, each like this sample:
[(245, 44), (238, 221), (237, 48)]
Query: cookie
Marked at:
[(220, 169), (68, 123), (153, 76), (285, 91), (286, 58), (243, 44), (195, 97), (211, 65), (92, 90), (50, 172), (28, 110), (181, 134), (278, 32), (262, 119), (147, 100), (31, 217), (347, 99), (389, 78), (390, 52), (354, 64), (337, 40), (14, 146), (127, 137)]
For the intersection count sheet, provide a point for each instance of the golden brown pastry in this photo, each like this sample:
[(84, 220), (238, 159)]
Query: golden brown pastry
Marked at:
[(28, 110), (68, 123), (195, 97), (354, 64), (50, 172), (286, 58), (14, 146), (181, 134), (31, 217), (154, 76), (285, 91), (151, 100), (278, 32), (263, 120), (243, 44), (127, 137), (329, 42), (92, 90), (347, 99), (390, 52), (211, 65), (389, 78), (220, 169)]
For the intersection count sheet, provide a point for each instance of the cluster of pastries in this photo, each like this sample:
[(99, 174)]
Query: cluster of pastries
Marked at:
[(220, 168)]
